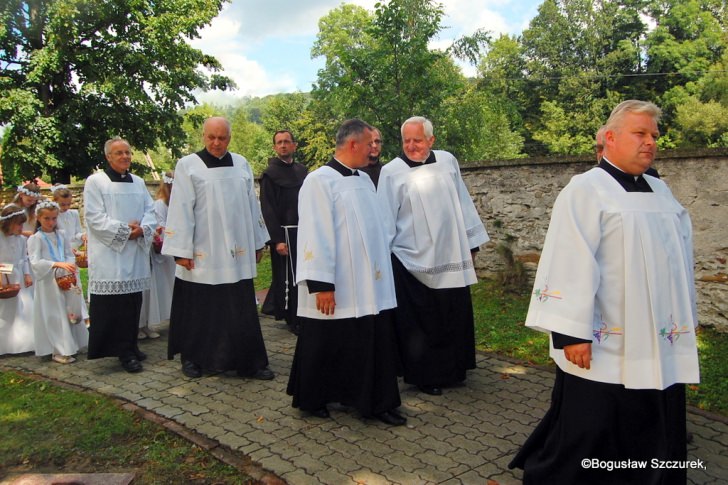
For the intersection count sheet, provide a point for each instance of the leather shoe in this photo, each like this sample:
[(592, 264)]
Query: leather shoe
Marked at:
[(132, 365), (141, 356), (190, 369), (431, 390), (391, 418), (264, 374), (321, 412)]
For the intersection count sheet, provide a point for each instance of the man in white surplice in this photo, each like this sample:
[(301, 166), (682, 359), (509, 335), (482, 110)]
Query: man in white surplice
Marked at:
[(216, 233), (346, 350), (615, 290), (120, 224), (436, 231)]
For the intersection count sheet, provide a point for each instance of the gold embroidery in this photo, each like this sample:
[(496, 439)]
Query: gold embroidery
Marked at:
[(199, 255), (307, 255), (169, 233), (240, 251), (377, 272)]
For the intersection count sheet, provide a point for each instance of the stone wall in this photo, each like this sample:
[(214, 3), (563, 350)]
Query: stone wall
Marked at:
[(515, 199)]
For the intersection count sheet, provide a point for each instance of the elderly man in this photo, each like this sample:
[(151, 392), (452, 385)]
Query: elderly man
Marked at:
[(374, 167), (436, 229), (216, 233), (346, 350), (279, 186), (120, 225), (614, 288)]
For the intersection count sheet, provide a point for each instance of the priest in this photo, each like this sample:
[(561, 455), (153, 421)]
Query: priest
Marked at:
[(216, 233), (279, 187), (346, 350), (615, 291), (120, 224), (436, 230), (374, 167)]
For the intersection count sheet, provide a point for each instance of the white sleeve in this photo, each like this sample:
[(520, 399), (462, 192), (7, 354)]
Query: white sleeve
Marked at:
[(568, 273), (474, 227), (316, 258), (259, 229), (180, 230), (42, 268)]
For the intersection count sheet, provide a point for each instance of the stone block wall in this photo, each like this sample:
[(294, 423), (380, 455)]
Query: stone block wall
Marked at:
[(515, 199)]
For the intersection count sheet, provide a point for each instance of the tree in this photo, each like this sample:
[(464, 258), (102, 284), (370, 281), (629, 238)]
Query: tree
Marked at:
[(76, 72), (379, 66)]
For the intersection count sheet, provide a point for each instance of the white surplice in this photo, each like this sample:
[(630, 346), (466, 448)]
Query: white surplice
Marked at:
[(56, 330), (117, 265), (436, 223), (16, 314), (617, 269), (214, 218), (341, 240)]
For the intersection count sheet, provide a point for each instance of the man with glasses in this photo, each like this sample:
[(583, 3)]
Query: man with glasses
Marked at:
[(120, 224), (279, 187)]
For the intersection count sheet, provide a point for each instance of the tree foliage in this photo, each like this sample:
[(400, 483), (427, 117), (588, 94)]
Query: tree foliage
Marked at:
[(76, 72)]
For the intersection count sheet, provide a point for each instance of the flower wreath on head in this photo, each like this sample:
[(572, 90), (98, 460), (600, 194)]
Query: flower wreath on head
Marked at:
[(167, 180), (21, 212), (57, 187), (46, 204), (29, 192)]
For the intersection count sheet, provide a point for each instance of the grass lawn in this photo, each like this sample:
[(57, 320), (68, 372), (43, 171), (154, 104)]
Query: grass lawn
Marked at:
[(51, 429)]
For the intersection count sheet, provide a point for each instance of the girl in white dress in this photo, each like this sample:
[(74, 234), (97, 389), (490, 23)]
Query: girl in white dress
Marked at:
[(27, 197), (56, 313), (16, 314), (70, 222), (158, 300)]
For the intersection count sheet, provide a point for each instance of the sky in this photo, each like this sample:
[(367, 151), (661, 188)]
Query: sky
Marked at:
[(265, 46)]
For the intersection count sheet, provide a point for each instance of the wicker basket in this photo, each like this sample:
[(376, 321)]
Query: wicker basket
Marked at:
[(64, 281), (8, 290), (81, 259)]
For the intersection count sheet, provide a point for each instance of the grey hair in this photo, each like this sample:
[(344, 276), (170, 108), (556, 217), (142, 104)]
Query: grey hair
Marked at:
[(351, 128), (631, 106), (111, 141), (419, 120)]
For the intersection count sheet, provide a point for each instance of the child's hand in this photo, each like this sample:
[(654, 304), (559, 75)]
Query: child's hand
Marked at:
[(70, 267), (28, 280)]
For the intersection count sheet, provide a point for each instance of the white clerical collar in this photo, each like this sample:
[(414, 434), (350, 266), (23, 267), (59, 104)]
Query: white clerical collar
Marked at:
[(353, 170)]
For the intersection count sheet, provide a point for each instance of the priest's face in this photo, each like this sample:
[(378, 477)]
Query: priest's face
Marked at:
[(361, 149), (284, 146), (376, 148), (119, 156), (216, 136), (633, 145), (415, 144)]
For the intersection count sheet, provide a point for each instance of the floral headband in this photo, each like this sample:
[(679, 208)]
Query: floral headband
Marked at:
[(167, 180), (11, 215), (25, 191), (46, 204), (57, 187)]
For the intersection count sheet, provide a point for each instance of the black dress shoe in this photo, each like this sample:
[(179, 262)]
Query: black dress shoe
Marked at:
[(190, 369), (431, 390), (264, 374), (391, 418), (322, 413), (132, 365), (141, 356)]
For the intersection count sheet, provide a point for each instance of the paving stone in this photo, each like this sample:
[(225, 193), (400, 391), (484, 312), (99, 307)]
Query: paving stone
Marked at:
[(468, 435)]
